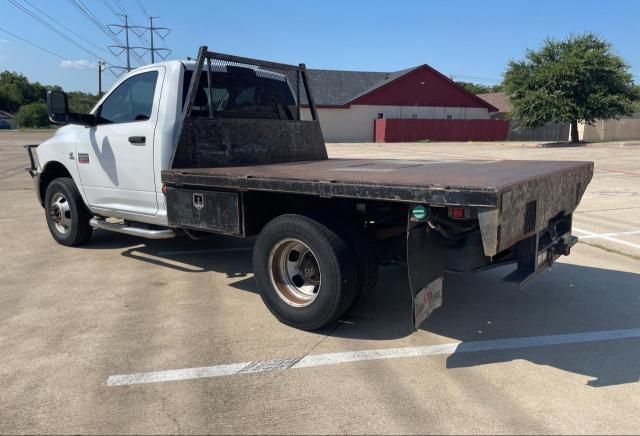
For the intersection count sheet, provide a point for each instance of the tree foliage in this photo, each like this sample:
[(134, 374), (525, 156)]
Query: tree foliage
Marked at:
[(32, 115), (19, 95), (477, 88), (577, 79), (81, 102), (16, 90)]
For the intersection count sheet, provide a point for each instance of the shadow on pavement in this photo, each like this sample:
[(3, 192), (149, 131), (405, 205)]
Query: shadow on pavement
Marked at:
[(566, 299), (218, 253)]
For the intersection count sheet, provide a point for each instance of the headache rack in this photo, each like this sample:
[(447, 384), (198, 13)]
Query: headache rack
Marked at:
[(240, 111)]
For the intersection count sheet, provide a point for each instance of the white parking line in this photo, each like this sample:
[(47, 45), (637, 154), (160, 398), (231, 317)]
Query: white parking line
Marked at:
[(604, 236), (600, 235), (316, 360)]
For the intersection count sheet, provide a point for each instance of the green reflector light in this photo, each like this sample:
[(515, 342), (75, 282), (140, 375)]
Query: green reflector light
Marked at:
[(420, 212)]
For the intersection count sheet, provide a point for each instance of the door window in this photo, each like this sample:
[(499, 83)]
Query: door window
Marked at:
[(131, 101)]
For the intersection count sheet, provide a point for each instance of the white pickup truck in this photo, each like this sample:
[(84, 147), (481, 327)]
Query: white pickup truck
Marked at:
[(219, 145)]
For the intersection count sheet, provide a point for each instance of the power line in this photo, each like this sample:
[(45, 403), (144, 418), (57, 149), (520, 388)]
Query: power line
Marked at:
[(66, 28), (95, 20), (46, 24), (79, 4), (42, 48), (143, 9), (130, 18), (107, 4), (126, 12), (120, 6)]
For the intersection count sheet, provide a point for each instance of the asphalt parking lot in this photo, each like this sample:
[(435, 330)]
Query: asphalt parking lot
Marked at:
[(131, 336)]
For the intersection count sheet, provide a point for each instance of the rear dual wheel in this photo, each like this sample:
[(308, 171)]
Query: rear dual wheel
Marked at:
[(307, 271)]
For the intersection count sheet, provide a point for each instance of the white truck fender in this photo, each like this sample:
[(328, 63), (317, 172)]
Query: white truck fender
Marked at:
[(59, 150)]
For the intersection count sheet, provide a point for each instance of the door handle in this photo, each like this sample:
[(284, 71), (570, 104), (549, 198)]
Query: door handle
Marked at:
[(137, 140)]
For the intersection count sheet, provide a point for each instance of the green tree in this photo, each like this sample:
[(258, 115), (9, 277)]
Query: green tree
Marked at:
[(477, 88), (32, 115), (16, 91), (578, 79), (81, 102)]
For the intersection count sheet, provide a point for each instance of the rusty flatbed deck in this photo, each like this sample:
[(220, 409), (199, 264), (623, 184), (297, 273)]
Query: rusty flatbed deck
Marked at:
[(470, 183)]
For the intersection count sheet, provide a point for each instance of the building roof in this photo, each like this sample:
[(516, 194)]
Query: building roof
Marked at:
[(497, 99), (338, 88), (335, 88)]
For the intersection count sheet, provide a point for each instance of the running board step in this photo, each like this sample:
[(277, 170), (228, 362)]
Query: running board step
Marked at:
[(99, 223)]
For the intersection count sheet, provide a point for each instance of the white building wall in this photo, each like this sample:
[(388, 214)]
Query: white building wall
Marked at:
[(355, 124)]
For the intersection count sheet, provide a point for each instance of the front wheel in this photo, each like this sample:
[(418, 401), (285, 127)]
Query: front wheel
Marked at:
[(305, 272), (66, 214)]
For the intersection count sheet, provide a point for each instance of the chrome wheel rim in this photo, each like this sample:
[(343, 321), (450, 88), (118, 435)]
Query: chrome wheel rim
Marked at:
[(295, 273), (60, 213)]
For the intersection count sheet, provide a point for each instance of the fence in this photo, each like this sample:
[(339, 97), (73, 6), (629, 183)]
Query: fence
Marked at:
[(411, 130), (611, 130), (549, 132)]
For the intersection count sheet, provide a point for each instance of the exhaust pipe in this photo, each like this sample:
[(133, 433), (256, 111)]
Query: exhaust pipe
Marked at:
[(99, 223)]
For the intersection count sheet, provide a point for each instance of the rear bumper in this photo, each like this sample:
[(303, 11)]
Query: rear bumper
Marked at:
[(539, 251)]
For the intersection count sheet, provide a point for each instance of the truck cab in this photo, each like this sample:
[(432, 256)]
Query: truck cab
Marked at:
[(116, 159)]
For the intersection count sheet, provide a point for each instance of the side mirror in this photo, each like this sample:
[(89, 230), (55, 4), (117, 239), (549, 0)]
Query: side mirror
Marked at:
[(58, 110), (58, 107)]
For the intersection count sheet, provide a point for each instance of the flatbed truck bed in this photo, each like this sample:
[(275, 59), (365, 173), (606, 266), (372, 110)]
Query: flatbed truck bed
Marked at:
[(502, 186), (445, 183)]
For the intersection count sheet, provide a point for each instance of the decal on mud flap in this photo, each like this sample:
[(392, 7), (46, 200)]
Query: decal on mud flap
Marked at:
[(427, 300)]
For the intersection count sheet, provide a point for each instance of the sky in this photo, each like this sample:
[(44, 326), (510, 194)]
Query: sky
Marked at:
[(468, 40)]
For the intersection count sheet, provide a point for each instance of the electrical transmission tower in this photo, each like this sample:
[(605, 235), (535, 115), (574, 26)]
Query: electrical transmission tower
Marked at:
[(162, 32), (117, 50)]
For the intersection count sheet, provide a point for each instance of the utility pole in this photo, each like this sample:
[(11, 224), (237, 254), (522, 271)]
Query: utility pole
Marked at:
[(101, 68), (162, 32), (126, 34), (151, 33)]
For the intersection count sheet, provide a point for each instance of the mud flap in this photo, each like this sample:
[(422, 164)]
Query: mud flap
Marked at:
[(425, 265)]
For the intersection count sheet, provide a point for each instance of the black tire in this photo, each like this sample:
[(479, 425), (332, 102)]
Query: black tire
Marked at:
[(338, 272), (367, 260), (365, 252), (74, 228)]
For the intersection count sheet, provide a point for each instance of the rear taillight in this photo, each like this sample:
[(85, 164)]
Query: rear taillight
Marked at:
[(459, 213)]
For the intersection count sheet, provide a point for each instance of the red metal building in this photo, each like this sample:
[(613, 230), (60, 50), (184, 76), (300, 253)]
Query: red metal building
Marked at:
[(350, 102)]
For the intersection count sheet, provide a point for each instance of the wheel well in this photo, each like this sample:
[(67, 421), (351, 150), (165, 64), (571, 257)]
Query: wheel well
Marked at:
[(52, 170)]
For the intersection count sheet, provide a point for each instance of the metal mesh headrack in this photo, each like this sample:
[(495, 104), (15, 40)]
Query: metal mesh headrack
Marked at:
[(226, 86)]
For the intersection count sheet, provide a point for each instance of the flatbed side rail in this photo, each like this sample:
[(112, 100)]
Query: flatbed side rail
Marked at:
[(371, 191), (204, 63)]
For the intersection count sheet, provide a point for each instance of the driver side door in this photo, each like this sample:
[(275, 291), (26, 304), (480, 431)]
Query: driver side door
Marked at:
[(115, 157)]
